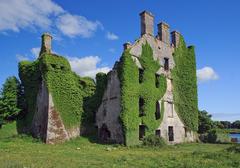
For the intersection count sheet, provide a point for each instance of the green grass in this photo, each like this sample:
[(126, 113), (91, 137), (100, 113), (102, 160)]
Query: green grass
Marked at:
[(23, 151)]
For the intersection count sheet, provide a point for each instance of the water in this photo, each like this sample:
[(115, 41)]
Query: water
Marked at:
[(235, 136)]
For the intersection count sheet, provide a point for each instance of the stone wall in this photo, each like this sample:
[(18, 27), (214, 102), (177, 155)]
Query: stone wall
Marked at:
[(107, 116)]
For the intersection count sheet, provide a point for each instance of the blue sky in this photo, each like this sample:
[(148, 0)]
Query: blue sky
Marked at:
[(90, 34)]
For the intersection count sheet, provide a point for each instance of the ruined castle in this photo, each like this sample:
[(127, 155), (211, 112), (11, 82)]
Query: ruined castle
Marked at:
[(152, 89)]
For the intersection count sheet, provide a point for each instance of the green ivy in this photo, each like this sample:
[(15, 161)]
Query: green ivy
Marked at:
[(132, 90), (29, 73), (185, 85), (71, 94)]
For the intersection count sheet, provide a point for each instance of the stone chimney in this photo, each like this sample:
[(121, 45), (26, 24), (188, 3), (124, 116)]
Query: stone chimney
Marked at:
[(163, 32), (146, 23), (46, 43), (127, 45), (175, 38)]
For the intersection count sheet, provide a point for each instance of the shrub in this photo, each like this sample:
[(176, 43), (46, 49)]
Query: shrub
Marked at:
[(235, 149), (153, 140)]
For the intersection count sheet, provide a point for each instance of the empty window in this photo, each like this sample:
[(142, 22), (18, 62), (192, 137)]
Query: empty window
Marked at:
[(141, 131), (157, 113), (170, 109), (166, 64), (104, 112), (141, 106), (158, 132), (53, 66), (170, 133), (157, 80), (140, 71), (185, 129)]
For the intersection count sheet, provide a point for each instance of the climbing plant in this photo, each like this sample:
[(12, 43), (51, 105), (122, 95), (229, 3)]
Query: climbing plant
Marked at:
[(68, 90), (185, 85), (132, 90)]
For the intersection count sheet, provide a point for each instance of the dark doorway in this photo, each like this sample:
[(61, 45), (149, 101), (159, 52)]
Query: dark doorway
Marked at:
[(141, 131), (141, 107), (157, 113), (140, 71), (170, 133), (166, 64), (104, 133), (158, 133)]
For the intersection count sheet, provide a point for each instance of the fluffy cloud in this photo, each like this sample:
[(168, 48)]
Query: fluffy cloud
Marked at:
[(20, 14), (35, 52), (21, 57), (87, 66), (206, 74), (74, 25), (111, 36), (47, 15)]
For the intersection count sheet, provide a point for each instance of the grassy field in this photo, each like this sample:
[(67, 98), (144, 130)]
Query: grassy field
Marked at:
[(23, 151)]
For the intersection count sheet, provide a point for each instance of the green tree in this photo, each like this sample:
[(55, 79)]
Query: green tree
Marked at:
[(205, 122), (236, 124), (9, 99), (226, 124)]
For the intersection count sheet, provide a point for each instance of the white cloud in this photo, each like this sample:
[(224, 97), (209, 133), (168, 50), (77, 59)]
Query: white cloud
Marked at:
[(21, 57), (35, 52), (20, 14), (87, 66), (111, 36), (206, 74), (74, 25), (46, 15)]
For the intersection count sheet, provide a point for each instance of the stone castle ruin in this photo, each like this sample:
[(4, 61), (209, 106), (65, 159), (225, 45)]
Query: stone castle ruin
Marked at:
[(152, 89)]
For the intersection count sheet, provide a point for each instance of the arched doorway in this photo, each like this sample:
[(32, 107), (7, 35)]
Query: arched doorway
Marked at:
[(104, 133)]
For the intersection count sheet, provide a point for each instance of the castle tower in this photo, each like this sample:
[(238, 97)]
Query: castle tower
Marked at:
[(175, 38), (46, 43), (146, 23), (163, 32)]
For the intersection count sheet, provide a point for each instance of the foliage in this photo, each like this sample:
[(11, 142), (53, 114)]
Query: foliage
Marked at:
[(185, 85), (235, 149), (226, 124), (9, 99), (29, 73), (132, 90), (67, 89), (205, 122), (216, 136), (92, 102), (236, 124), (153, 140)]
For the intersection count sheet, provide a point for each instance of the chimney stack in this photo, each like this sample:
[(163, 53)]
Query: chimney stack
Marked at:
[(163, 32), (175, 38), (146, 23), (126, 45), (46, 43)]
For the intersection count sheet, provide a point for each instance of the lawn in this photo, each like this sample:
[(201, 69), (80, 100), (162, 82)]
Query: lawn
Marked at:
[(23, 151)]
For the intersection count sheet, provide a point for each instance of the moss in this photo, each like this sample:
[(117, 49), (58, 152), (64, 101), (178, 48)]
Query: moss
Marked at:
[(185, 85), (132, 90)]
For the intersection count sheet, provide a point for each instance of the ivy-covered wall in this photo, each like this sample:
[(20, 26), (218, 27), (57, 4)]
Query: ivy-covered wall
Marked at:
[(185, 85), (29, 73), (132, 90), (74, 97)]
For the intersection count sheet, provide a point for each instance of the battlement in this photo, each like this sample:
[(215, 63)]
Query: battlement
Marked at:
[(147, 27), (46, 43)]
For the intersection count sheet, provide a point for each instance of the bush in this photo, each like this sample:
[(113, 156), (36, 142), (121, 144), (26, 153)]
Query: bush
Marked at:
[(153, 140), (235, 149), (215, 136)]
